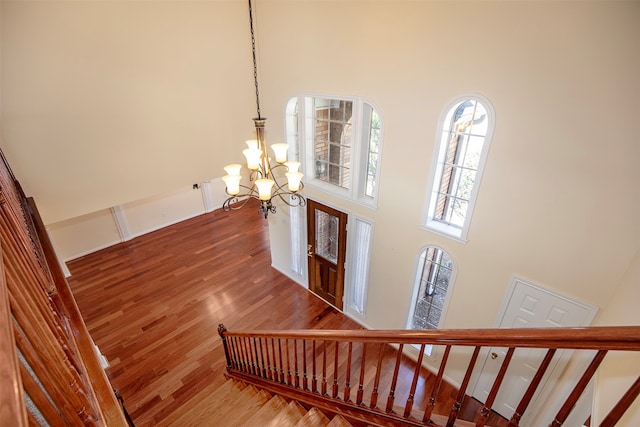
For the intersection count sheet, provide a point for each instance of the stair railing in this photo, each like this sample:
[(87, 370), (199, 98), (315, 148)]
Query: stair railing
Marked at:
[(50, 373), (363, 374)]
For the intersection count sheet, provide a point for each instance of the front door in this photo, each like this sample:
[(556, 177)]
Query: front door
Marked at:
[(528, 306), (326, 246)]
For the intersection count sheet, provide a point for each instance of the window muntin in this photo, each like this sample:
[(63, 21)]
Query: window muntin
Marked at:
[(461, 153), (332, 140), (341, 144), (434, 280)]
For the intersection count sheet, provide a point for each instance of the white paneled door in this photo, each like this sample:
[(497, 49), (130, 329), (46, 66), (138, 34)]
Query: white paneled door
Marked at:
[(528, 306)]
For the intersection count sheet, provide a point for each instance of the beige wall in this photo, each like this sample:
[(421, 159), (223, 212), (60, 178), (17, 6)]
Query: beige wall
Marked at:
[(106, 103), (559, 200), (618, 370)]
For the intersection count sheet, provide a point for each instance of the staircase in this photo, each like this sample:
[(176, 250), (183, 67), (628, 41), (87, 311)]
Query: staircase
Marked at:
[(236, 404)]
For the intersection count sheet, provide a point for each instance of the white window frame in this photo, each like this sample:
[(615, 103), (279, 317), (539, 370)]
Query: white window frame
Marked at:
[(360, 245), (429, 222), (359, 148), (419, 265)]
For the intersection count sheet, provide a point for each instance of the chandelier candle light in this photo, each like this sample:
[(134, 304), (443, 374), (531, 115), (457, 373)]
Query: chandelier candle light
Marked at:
[(264, 183)]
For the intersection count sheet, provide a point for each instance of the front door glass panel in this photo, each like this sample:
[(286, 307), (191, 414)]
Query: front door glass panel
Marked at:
[(327, 229)]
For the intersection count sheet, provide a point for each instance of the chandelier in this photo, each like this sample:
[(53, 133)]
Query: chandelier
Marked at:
[(265, 179)]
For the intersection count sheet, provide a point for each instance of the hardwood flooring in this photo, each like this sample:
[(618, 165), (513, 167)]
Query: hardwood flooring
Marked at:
[(153, 305)]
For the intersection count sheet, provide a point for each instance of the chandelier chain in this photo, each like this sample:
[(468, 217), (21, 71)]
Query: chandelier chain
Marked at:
[(255, 62), (263, 182)]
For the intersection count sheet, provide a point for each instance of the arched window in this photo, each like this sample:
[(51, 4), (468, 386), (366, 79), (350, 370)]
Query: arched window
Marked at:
[(434, 280), (465, 136)]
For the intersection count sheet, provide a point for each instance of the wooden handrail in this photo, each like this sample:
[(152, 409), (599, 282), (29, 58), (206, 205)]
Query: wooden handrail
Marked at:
[(110, 408), (340, 353), (600, 337)]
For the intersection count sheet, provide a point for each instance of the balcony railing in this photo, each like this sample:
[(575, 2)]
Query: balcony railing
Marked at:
[(365, 375)]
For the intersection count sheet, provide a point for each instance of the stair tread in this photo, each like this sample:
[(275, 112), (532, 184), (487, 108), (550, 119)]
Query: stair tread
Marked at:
[(238, 412), (288, 416), (339, 421), (313, 418), (238, 399), (204, 402), (267, 412)]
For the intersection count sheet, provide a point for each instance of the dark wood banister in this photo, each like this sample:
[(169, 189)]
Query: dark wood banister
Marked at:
[(603, 339), (597, 337), (46, 351)]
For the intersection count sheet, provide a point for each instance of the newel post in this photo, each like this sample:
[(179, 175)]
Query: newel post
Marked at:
[(221, 330)]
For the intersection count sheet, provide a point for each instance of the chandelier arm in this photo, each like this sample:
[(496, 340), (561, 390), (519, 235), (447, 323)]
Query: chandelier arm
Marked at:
[(235, 202), (252, 191), (279, 187), (298, 200), (255, 175)]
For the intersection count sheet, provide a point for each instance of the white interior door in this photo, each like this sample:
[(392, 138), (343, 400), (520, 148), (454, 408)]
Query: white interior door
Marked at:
[(528, 306)]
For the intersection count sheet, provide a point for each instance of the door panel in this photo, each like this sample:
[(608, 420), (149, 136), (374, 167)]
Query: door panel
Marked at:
[(326, 245), (528, 306)]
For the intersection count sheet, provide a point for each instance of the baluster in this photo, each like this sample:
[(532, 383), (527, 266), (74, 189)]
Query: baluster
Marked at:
[(486, 409), (231, 352), (376, 381), (266, 368), (247, 358), (361, 383), (564, 412), (334, 391), (39, 301), (314, 379), (282, 380), (39, 398), (305, 385), (436, 386), (463, 389), (295, 362), (38, 316), (238, 345), (234, 353), (347, 385), (286, 347), (416, 374), (524, 402), (394, 380), (255, 362), (48, 353), (324, 369), (50, 377), (275, 363), (255, 365), (623, 404)]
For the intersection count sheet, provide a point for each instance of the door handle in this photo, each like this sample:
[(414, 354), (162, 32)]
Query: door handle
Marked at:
[(309, 250), (494, 355)]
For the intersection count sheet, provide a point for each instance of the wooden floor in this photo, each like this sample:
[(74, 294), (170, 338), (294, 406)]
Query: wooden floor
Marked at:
[(153, 305)]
